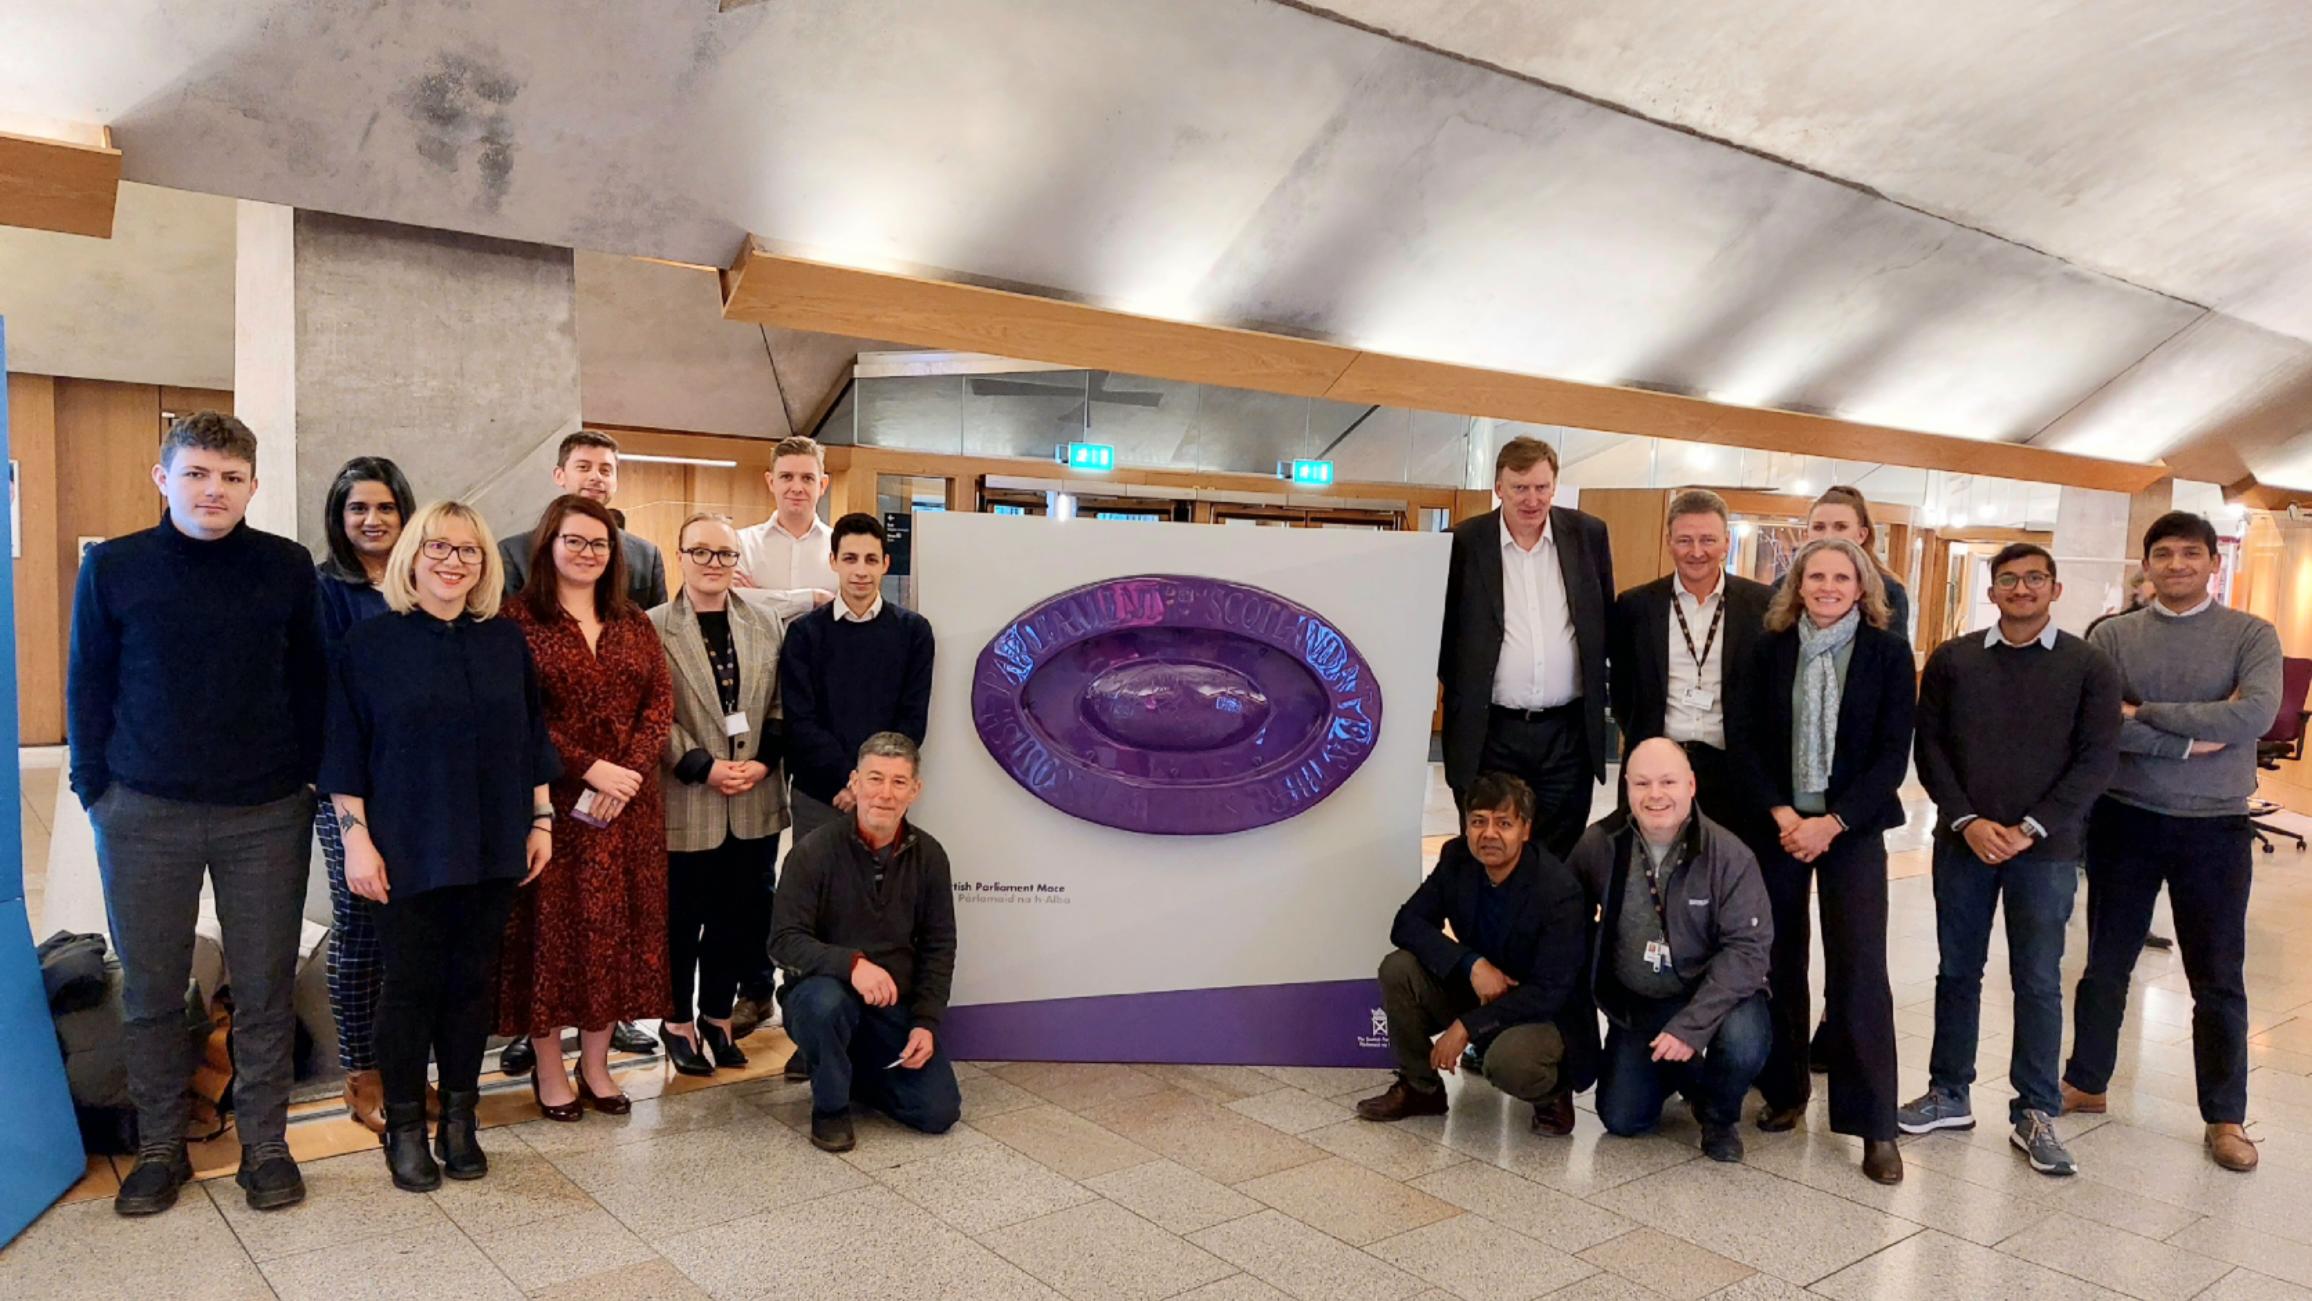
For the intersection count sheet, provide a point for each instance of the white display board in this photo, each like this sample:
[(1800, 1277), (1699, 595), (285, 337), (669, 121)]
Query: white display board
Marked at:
[(1084, 942)]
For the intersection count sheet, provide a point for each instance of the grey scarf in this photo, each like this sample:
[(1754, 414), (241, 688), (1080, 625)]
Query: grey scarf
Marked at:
[(1816, 727)]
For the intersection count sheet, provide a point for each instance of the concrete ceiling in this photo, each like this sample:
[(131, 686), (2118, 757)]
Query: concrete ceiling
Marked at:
[(2074, 223)]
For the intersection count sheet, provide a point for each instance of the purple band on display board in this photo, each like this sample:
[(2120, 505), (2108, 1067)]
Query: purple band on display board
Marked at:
[(1325, 1023)]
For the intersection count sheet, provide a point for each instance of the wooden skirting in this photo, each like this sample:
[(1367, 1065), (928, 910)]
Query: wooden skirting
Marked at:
[(777, 289)]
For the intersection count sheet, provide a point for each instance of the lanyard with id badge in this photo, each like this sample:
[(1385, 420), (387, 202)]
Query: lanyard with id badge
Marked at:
[(1657, 952), (1698, 696)]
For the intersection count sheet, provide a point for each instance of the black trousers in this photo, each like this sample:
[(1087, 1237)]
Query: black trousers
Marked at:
[(1859, 1005), (717, 919), (440, 953), (1548, 750), (2206, 864)]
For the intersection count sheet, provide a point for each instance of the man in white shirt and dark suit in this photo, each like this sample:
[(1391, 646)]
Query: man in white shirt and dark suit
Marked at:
[(1523, 657)]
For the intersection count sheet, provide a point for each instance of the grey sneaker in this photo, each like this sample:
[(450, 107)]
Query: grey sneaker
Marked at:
[(1934, 1110), (2035, 1135)]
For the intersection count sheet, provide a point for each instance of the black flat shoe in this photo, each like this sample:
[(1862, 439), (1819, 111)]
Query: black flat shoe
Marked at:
[(832, 1133), (152, 1187), (628, 1037), (798, 1066), (727, 1055), (517, 1058), (1773, 1120), (684, 1055)]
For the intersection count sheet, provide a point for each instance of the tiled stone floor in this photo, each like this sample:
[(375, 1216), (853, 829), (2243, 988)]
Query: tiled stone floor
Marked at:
[(1211, 1182)]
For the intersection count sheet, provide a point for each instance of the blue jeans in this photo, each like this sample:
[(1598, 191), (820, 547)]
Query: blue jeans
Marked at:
[(2039, 890), (850, 1045), (1632, 1086)]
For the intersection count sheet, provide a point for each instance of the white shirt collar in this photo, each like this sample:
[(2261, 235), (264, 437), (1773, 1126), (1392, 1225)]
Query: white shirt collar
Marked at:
[(843, 612), (2159, 608), (1993, 639), (1509, 540), (1678, 586), (818, 526)]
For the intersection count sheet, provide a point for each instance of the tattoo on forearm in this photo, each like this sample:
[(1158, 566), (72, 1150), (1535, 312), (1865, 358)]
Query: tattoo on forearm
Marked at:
[(347, 819)]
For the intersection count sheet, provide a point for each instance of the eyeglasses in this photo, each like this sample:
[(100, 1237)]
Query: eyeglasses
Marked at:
[(2037, 580), (443, 549), (709, 558), (584, 546)]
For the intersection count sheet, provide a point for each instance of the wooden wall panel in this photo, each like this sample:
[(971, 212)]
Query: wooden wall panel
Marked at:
[(1635, 525), (108, 437), (39, 639)]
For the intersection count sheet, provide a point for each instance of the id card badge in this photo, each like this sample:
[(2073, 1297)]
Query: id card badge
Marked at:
[(1701, 698), (1657, 955), (583, 809), (735, 723)]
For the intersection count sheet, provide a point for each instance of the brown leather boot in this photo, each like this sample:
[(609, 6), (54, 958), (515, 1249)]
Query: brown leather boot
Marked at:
[(2231, 1148), (365, 1100), (1882, 1160), (2077, 1103), (1402, 1100), (1554, 1116)]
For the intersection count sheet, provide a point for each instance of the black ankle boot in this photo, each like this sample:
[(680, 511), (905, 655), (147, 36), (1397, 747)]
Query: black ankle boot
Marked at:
[(454, 1139), (412, 1166), (727, 1054)]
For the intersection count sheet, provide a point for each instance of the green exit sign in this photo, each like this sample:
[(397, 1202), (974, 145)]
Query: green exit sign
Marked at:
[(1306, 474), (1087, 456)]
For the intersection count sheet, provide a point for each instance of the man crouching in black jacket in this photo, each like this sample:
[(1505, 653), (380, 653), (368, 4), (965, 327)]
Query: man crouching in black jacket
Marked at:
[(1681, 955), (1509, 978), (864, 923)]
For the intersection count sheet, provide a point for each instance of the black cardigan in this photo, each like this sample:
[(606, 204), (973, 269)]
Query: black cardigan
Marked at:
[(1874, 728)]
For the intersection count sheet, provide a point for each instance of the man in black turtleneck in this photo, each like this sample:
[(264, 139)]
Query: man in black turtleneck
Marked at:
[(195, 702)]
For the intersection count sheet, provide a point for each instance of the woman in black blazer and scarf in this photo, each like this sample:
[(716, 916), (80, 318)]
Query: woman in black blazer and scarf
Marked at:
[(1824, 745)]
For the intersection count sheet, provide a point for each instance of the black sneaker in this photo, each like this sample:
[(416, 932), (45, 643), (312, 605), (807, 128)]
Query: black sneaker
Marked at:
[(1721, 1143), (832, 1133), (269, 1177), (628, 1037), (152, 1187)]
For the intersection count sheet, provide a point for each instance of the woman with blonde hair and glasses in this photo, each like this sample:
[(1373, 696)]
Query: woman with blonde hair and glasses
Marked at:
[(437, 763), (1824, 745), (725, 804)]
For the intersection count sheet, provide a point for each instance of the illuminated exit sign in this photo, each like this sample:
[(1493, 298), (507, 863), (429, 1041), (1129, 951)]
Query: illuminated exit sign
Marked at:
[(1306, 474), (1086, 456)]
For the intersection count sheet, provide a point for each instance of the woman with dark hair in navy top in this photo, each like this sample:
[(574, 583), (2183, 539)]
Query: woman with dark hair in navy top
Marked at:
[(368, 503)]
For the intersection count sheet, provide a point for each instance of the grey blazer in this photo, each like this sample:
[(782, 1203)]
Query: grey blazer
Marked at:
[(698, 818)]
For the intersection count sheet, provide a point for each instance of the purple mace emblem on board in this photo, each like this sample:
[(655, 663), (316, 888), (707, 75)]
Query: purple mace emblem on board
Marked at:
[(1174, 705)]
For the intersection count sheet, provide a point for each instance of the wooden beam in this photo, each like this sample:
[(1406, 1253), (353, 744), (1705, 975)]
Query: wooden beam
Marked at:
[(773, 289), (777, 289), (58, 185)]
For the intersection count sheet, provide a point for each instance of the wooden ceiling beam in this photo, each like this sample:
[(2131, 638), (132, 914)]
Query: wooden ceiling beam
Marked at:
[(778, 289), (59, 185)]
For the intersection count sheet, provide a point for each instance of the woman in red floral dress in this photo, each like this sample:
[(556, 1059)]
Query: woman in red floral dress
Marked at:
[(586, 946)]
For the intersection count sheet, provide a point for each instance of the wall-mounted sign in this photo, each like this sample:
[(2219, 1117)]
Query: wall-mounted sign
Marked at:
[(1086, 456), (1306, 474), (1175, 705)]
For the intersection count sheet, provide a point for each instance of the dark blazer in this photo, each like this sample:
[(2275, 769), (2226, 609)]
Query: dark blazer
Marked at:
[(1474, 625), (1874, 728), (1547, 952), (1642, 645)]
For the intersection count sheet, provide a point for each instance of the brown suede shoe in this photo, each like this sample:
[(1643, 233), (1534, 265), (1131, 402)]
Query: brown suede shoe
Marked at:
[(2076, 1103), (365, 1100), (1882, 1160), (2231, 1148), (1402, 1100), (1554, 1117)]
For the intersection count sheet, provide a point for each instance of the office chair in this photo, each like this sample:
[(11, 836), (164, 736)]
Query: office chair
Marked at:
[(2284, 743)]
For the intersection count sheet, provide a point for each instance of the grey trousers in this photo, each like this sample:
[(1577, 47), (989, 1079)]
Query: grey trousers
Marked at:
[(153, 854), (1522, 1061)]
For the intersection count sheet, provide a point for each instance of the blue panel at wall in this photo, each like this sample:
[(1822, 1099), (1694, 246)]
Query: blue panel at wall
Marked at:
[(40, 1153)]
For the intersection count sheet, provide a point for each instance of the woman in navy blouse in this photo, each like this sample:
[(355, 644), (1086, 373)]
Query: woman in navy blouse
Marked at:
[(368, 501), (437, 761)]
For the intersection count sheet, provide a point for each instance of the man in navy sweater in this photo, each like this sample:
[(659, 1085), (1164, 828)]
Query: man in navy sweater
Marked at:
[(195, 700)]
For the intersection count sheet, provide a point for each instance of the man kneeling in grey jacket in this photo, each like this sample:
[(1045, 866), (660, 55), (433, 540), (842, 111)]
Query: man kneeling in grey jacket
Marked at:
[(1679, 964)]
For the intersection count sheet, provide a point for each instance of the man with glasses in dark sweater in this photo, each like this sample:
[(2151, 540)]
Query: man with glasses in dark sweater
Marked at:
[(195, 701), (2201, 683), (2017, 734)]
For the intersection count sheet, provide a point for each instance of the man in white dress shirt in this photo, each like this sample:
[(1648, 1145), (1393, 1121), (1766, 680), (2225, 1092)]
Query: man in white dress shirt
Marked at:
[(784, 562)]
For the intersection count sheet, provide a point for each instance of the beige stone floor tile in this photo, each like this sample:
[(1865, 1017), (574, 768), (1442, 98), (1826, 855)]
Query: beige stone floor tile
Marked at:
[(2178, 1171), (1671, 1266), (1064, 1141), (1544, 1214), (2002, 1169), (346, 1198), (1216, 1083), (1331, 1081), (2281, 1258), (1477, 1260), (881, 1142), (1172, 1196), (671, 1185), (1101, 1252), (976, 1189), (657, 1279), (522, 1187), (1347, 1200), (1204, 1136), (1294, 1111), (1932, 1266), (1726, 1209), (1832, 1164), (2247, 1285), (651, 1118), (1587, 1162), (545, 1254), (1762, 1287), (1078, 1085), (1602, 1286), (1304, 1263), (869, 1244), (82, 1249), (1236, 1287), (2140, 1267), (986, 1094), (437, 1261), (1387, 1149)]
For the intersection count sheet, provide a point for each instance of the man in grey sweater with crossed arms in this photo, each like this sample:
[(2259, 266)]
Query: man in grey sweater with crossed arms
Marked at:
[(2200, 684)]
